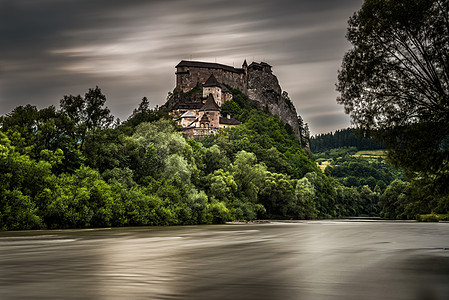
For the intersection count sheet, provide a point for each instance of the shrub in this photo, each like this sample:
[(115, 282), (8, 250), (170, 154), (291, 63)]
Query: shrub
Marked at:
[(427, 218)]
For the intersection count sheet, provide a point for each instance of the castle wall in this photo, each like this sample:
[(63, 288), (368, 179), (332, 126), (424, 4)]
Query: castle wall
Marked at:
[(188, 77)]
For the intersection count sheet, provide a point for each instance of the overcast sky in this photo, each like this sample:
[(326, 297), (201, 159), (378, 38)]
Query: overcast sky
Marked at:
[(52, 48)]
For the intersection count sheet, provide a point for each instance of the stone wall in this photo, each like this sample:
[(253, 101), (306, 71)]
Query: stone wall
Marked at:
[(189, 74)]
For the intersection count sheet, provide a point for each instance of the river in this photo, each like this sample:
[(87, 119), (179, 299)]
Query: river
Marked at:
[(300, 260)]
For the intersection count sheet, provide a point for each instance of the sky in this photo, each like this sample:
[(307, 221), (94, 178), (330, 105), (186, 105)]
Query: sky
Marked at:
[(52, 48)]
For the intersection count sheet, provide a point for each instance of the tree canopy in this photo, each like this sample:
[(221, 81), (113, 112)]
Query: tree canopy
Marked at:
[(394, 82)]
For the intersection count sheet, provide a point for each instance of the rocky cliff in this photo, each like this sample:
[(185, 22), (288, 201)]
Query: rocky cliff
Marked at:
[(264, 89)]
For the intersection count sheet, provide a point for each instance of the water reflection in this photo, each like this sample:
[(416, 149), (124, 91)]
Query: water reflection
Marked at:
[(307, 260)]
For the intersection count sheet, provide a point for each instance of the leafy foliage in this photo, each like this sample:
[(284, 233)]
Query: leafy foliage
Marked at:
[(394, 83), (63, 169)]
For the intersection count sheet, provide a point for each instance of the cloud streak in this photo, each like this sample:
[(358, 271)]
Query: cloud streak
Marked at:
[(130, 48)]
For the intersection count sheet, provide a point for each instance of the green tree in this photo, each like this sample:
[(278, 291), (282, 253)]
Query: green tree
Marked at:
[(394, 82), (305, 206), (277, 195), (249, 175), (232, 108), (397, 202), (157, 141), (222, 185), (87, 113)]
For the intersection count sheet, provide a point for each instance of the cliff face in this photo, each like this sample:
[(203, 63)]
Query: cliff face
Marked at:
[(264, 89)]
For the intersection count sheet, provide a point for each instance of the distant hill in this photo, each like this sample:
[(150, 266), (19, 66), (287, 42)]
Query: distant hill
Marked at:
[(341, 138)]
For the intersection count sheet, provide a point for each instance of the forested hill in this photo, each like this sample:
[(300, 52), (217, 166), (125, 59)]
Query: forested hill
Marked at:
[(74, 167), (339, 139)]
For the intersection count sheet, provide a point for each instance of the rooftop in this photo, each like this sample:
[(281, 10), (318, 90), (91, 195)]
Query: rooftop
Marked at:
[(200, 64), (210, 104), (188, 114), (229, 121), (212, 81), (188, 105), (259, 65)]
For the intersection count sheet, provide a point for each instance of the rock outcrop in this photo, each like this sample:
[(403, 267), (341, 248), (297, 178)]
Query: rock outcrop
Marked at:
[(264, 89)]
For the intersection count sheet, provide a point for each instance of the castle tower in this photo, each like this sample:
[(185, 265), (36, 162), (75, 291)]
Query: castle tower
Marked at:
[(245, 67), (211, 86), (211, 111)]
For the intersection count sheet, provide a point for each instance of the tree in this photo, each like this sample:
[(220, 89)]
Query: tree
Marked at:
[(277, 195), (394, 82), (232, 108), (248, 175), (306, 197), (88, 113)]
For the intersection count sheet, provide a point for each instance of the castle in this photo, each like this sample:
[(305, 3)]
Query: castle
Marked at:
[(201, 90), (190, 73)]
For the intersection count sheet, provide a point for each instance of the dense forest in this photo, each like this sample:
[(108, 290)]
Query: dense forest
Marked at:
[(77, 167), (342, 138)]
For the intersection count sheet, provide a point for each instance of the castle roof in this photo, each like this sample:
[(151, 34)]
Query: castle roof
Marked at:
[(212, 81), (188, 105), (210, 104), (188, 114), (200, 64), (224, 89), (259, 66), (229, 121)]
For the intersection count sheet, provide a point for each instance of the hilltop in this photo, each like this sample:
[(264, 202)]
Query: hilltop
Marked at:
[(195, 80)]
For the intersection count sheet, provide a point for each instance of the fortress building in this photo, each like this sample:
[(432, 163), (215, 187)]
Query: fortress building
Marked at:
[(190, 73), (202, 88), (202, 116)]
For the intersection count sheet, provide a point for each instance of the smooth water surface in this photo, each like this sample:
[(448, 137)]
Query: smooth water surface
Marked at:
[(304, 260)]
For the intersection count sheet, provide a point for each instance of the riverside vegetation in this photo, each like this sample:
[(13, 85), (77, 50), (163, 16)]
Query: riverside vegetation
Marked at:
[(397, 195), (394, 84), (76, 167)]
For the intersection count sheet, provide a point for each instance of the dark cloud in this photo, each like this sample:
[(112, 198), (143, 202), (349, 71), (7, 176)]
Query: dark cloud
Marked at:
[(129, 48)]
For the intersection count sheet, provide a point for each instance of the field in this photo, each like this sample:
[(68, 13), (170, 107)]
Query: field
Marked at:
[(370, 155), (323, 164)]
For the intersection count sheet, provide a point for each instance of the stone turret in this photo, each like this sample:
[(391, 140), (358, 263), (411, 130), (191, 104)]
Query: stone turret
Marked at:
[(210, 111), (211, 86), (245, 67)]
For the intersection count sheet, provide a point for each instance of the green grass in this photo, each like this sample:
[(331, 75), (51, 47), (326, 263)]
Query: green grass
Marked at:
[(323, 164), (371, 153)]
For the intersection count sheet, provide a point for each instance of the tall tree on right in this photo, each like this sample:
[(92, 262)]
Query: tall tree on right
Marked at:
[(394, 82)]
